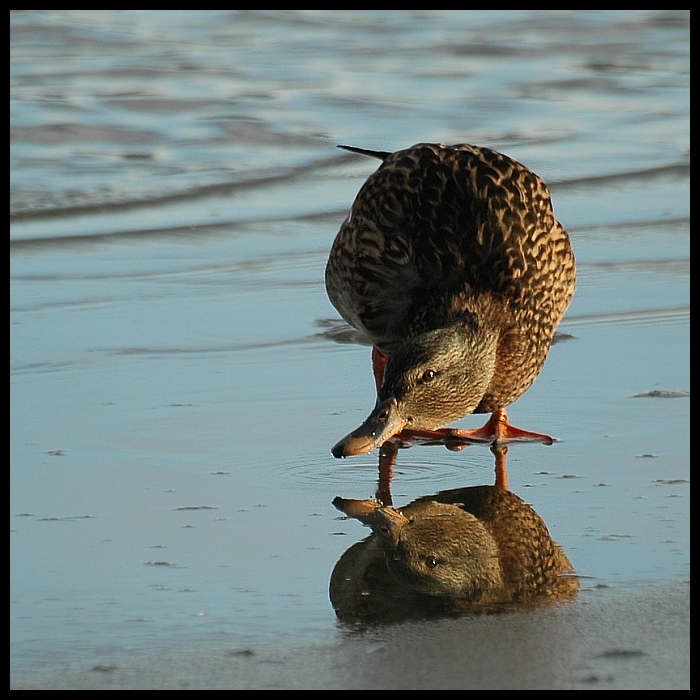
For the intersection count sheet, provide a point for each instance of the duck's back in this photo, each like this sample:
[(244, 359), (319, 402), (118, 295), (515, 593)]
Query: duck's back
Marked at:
[(442, 231)]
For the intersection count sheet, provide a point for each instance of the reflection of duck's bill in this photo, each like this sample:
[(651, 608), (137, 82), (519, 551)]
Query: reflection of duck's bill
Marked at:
[(384, 422)]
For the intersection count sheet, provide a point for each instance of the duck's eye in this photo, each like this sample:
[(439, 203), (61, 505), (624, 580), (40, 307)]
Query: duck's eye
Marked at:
[(432, 562), (428, 376)]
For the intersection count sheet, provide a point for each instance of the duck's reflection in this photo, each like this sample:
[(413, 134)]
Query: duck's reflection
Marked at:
[(472, 549)]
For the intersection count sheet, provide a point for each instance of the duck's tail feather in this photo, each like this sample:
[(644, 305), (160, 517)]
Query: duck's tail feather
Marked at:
[(382, 155)]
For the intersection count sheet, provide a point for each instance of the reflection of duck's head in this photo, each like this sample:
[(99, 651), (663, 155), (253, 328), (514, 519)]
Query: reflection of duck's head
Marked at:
[(438, 549), (465, 550)]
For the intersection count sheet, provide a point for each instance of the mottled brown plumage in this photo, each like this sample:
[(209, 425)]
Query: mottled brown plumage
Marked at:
[(452, 264), (475, 549)]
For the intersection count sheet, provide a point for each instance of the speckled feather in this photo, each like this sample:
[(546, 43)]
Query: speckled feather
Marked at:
[(444, 234)]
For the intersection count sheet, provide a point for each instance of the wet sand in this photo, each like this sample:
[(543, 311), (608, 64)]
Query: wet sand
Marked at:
[(636, 641)]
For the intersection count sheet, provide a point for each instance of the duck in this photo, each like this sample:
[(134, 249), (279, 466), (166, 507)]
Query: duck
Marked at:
[(478, 549), (453, 267)]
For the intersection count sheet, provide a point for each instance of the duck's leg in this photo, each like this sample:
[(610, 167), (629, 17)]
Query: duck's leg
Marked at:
[(378, 365), (498, 430)]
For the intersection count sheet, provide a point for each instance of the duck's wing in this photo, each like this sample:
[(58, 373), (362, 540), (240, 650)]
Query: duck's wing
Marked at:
[(435, 231)]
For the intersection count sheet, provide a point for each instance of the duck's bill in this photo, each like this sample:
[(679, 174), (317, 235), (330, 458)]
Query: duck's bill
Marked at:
[(384, 422)]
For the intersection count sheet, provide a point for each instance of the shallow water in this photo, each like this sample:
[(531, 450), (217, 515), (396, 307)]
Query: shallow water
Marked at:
[(177, 374)]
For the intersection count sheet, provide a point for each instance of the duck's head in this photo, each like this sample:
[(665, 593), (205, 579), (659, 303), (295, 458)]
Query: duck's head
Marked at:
[(430, 380)]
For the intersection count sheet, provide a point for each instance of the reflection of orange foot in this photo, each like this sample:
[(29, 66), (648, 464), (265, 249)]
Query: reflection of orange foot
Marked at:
[(500, 452), (388, 453), (387, 460)]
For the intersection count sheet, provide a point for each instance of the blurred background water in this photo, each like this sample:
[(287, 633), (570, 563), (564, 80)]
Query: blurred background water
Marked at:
[(177, 374)]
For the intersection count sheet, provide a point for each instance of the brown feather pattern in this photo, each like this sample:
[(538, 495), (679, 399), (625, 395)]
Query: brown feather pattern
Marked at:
[(440, 235)]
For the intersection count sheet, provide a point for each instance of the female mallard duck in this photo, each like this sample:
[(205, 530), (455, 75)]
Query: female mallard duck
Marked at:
[(451, 262), (475, 549)]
